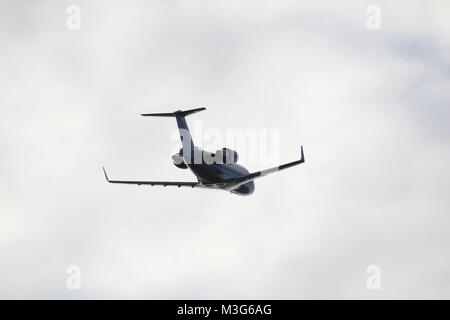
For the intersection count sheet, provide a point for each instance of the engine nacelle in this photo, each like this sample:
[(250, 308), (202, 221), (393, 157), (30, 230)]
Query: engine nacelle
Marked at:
[(179, 162), (225, 155)]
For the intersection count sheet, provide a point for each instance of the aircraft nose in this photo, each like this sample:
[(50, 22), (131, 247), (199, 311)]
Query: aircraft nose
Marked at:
[(245, 189), (251, 187)]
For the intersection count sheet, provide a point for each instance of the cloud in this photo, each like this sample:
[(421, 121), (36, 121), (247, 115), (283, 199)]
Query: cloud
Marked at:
[(370, 108)]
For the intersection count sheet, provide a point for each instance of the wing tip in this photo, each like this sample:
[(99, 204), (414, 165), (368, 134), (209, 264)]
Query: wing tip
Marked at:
[(104, 172), (302, 159)]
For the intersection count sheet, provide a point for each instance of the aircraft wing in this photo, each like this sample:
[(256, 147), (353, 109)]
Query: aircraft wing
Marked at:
[(158, 183), (258, 174)]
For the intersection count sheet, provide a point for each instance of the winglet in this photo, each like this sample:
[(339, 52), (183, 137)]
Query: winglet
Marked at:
[(302, 159), (106, 176)]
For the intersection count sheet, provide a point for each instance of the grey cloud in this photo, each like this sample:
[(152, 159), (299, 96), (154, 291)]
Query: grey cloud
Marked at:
[(369, 107)]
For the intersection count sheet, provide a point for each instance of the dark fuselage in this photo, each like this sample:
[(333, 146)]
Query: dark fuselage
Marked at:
[(216, 173)]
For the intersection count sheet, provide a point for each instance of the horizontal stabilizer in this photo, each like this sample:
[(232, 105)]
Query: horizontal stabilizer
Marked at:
[(173, 114)]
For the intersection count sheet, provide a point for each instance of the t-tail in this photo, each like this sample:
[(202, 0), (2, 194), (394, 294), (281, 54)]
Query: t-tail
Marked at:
[(185, 135)]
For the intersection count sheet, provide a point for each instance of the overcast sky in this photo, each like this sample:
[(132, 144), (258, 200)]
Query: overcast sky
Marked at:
[(370, 107)]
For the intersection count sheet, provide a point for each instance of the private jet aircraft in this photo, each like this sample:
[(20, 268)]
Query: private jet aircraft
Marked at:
[(217, 170)]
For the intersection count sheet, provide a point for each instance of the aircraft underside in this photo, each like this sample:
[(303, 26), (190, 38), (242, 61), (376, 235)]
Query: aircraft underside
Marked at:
[(217, 170)]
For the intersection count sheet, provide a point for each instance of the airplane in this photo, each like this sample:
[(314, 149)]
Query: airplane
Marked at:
[(217, 170)]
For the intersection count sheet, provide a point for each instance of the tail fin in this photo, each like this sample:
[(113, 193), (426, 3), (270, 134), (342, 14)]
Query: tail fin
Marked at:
[(185, 135)]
